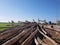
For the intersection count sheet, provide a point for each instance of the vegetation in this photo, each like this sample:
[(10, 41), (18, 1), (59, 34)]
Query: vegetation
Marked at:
[(6, 25)]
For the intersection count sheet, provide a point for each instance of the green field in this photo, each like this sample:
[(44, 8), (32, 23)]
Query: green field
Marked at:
[(5, 25)]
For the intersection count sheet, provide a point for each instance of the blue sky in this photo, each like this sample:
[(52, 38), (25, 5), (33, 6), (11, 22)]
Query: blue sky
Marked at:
[(29, 9)]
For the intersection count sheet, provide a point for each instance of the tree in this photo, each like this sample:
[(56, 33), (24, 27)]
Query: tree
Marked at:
[(12, 23)]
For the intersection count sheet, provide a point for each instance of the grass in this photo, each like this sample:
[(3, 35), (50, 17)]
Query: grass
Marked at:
[(3, 29), (5, 25)]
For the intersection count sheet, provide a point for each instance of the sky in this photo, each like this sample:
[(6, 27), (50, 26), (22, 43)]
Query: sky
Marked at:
[(29, 9)]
